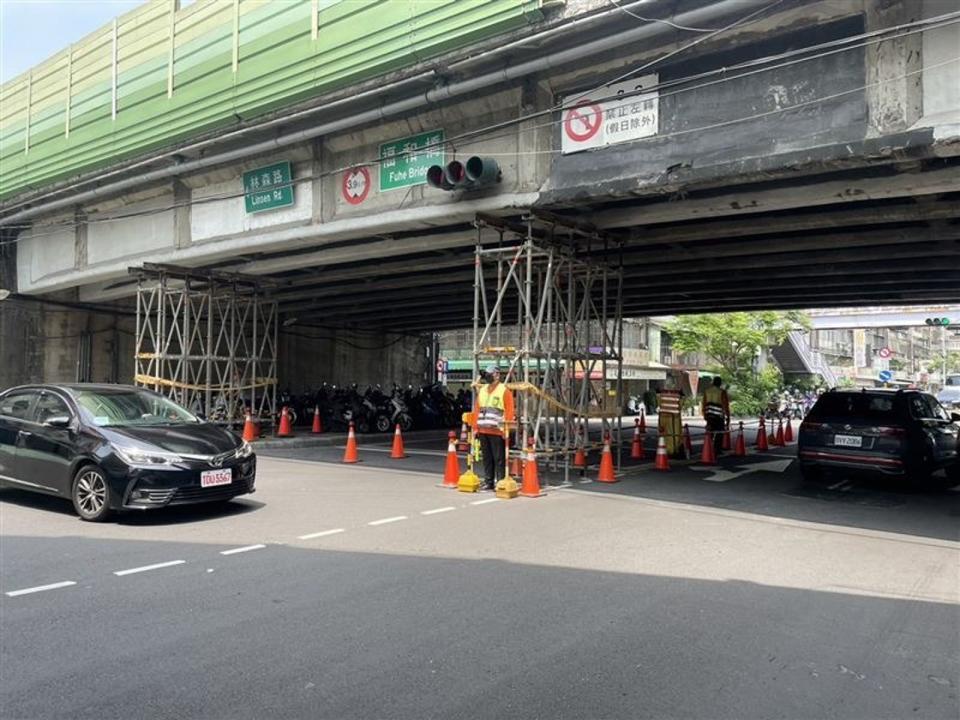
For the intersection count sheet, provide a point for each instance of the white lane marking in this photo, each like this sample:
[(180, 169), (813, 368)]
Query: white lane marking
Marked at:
[(147, 568), (311, 536), (247, 548), (40, 588), (384, 521), (484, 502), (437, 510)]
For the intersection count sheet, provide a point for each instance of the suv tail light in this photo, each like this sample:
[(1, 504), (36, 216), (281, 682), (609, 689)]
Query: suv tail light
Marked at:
[(892, 431)]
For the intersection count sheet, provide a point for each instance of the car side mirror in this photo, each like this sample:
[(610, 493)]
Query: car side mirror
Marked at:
[(955, 417), (58, 421)]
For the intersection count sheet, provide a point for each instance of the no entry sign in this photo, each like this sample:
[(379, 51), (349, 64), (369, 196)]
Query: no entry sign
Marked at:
[(356, 185), (627, 113)]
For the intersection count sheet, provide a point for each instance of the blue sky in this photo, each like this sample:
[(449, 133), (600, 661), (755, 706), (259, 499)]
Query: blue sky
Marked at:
[(33, 30)]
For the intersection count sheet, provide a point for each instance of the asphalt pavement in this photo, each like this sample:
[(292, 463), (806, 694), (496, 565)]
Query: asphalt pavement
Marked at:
[(367, 591)]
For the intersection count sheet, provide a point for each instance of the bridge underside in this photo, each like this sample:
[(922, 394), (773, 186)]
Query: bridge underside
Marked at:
[(820, 244)]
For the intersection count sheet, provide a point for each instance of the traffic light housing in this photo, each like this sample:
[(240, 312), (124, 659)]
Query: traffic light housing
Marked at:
[(476, 173), (940, 321)]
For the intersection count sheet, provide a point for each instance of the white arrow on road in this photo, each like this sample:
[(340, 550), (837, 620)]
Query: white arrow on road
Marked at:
[(726, 475)]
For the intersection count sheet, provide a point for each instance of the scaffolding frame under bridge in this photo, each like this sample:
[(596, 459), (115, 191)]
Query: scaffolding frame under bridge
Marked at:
[(553, 314), (207, 340)]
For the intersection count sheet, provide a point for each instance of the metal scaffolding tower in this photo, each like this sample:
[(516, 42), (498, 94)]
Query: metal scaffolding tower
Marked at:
[(550, 310), (208, 340)]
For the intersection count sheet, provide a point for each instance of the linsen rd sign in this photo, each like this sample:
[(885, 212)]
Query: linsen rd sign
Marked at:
[(404, 162), (268, 188), (587, 123)]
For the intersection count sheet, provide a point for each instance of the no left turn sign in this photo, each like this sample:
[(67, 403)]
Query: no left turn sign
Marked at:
[(356, 185), (582, 122)]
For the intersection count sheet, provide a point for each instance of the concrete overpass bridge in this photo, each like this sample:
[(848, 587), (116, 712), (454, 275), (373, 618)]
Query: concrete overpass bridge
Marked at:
[(790, 156)]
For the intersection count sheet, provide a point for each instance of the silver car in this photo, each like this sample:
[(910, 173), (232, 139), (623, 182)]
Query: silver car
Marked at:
[(949, 396)]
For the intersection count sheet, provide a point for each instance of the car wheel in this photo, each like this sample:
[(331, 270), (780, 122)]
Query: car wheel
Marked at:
[(920, 470), (91, 494), (953, 475)]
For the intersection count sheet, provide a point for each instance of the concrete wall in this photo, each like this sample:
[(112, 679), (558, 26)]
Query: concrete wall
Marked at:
[(310, 356), (711, 130)]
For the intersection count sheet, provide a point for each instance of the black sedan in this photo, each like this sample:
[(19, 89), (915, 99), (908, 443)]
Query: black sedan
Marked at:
[(116, 447), (903, 433)]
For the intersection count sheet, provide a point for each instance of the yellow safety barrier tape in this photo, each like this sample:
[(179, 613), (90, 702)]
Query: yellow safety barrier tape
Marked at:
[(550, 400), (150, 380)]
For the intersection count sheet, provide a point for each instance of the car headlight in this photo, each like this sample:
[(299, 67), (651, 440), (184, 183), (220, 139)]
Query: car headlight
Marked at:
[(135, 456), (245, 450)]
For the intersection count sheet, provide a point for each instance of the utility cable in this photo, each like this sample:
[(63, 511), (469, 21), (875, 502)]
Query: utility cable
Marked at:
[(676, 26)]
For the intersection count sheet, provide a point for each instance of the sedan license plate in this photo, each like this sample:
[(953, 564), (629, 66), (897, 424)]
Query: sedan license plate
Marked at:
[(848, 440), (212, 478)]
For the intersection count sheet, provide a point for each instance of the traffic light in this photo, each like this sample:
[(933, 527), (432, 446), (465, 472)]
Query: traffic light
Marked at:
[(943, 322), (477, 172)]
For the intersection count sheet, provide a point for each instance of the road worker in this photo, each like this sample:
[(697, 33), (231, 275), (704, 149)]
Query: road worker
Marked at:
[(716, 411), (493, 415)]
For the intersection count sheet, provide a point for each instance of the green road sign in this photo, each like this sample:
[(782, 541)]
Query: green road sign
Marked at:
[(404, 162), (268, 187)]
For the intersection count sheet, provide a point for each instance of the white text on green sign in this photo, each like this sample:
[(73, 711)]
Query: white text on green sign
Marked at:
[(404, 162), (268, 188)]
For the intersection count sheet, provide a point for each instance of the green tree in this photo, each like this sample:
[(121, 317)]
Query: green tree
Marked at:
[(733, 341), (953, 362)]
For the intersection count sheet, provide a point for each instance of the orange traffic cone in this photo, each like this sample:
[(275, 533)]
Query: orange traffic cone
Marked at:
[(516, 467), (463, 445), (687, 442), (707, 456), (249, 428), (580, 456), (531, 478), (606, 463), (350, 454), (451, 473), (643, 421), (740, 450), (726, 440), (761, 431), (285, 429), (317, 425), (762, 444), (663, 461), (788, 433), (396, 452), (779, 439), (636, 451)]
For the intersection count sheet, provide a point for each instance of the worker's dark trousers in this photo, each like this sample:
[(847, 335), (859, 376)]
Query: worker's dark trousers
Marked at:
[(494, 458), (716, 426)]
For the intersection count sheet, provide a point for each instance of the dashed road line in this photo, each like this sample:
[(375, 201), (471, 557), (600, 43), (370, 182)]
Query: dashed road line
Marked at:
[(244, 549), (40, 588), (325, 533), (437, 510), (147, 568), (384, 521), (485, 502)]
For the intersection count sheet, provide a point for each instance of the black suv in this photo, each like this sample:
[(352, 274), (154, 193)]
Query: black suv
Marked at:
[(904, 433)]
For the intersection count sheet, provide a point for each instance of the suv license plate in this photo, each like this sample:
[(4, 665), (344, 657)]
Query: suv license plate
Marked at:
[(212, 478), (848, 440)]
